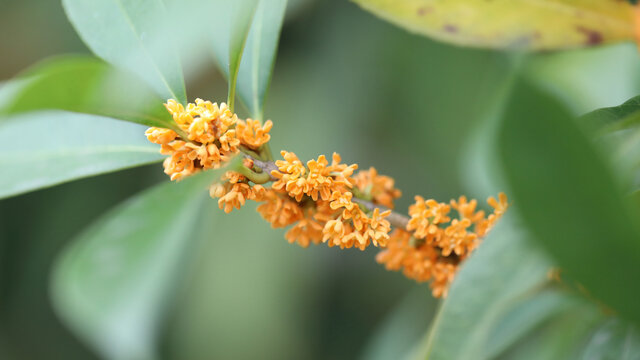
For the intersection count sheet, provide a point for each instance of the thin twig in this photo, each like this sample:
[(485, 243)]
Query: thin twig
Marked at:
[(396, 219)]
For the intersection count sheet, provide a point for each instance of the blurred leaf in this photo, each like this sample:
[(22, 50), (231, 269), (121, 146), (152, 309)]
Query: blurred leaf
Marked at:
[(511, 24), (562, 337), (614, 340), (9, 89), (530, 311), (504, 275), (569, 199), (580, 79), (403, 327), (46, 148), (616, 117), (259, 55), (113, 284), (617, 128), (87, 85), (133, 35)]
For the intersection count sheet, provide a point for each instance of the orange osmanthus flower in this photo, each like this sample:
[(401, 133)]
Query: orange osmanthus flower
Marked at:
[(433, 245), (379, 188), (251, 134)]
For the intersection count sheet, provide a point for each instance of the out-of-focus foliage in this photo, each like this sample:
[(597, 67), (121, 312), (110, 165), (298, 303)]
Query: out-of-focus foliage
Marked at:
[(575, 220), (114, 282), (86, 85), (136, 35), (65, 146), (481, 314), (621, 117), (512, 24), (618, 127), (613, 340)]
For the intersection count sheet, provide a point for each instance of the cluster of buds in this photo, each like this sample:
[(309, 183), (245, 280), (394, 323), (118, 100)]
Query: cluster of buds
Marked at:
[(323, 202), (432, 245), (318, 199), (213, 135)]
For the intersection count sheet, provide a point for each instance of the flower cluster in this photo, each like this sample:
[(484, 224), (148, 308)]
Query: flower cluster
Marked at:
[(213, 135), (378, 188), (235, 190), (433, 245), (322, 201), (326, 211)]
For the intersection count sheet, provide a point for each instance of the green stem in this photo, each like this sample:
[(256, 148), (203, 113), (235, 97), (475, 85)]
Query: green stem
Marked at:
[(231, 96), (253, 154), (266, 152), (258, 178)]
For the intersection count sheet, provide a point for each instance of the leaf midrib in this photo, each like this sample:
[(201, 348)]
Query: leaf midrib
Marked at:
[(144, 48)]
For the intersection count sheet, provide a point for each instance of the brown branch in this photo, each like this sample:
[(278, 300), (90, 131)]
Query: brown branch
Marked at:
[(397, 220), (266, 166)]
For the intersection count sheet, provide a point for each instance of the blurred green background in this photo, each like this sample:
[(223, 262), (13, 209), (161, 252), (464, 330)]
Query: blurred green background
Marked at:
[(344, 81)]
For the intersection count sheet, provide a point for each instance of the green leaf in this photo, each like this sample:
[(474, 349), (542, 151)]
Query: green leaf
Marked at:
[(521, 319), (133, 35), (505, 275), (615, 118), (245, 44), (562, 337), (230, 36), (259, 55), (114, 283), (87, 85), (511, 24), (569, 199), (46, 148), (614, 340)]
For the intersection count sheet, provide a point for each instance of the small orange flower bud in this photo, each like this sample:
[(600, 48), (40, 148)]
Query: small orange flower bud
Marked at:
[(160, 136), (251, 134)]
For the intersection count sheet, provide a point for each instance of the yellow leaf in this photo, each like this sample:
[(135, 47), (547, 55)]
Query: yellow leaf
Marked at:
[(512, 24)]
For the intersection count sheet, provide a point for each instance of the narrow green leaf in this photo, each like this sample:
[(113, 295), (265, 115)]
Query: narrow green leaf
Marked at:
[(46, 148), (229, 38), (259, 55), (87, 85), (511, 24), (504, 273), (245, 45), (133, 35), (114, 283), (569, 198), (243, 13)]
